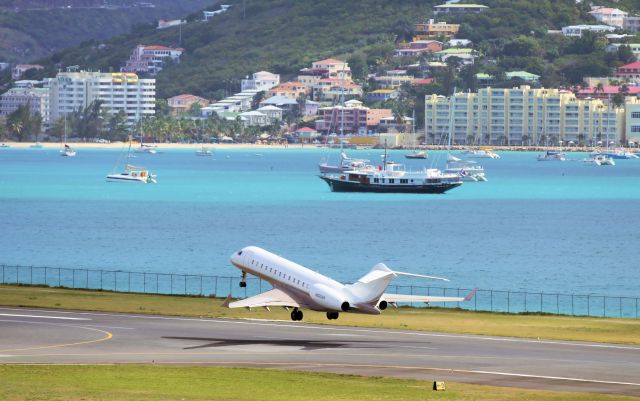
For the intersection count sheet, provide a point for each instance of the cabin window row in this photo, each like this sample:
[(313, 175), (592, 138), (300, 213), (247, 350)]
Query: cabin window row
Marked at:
[(280, 274), (392, 180)]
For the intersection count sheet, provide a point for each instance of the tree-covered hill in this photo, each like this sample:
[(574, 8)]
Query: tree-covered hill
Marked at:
[(29, 34), (283, 36)]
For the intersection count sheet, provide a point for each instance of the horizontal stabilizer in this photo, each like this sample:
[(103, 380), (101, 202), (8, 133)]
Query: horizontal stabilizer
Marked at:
[(395, 298), (419, 275)]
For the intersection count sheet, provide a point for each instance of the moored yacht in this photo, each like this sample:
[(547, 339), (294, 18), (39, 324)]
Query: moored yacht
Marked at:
[(481, 154), (146, 149), (392, 178), (468, 170), (133, 174), (418, 154), (346, 164), (616, 153), (599, 160), (204, 151)]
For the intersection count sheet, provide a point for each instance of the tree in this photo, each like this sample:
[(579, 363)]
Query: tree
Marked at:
[(22, 123), (117, 129), (625, 54)]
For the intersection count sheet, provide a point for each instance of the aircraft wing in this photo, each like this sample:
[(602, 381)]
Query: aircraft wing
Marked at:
[(275, 297), (395, 298)]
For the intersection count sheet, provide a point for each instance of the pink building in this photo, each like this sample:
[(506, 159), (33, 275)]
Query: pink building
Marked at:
[(606, 92), (418, 47), (19, 69), (629, 71), (182, 103), (150, 59)]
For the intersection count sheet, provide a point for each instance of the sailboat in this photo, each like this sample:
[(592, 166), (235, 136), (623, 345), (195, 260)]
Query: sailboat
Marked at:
[(204, 151), (133, 173), (67, 150), (416, 154)]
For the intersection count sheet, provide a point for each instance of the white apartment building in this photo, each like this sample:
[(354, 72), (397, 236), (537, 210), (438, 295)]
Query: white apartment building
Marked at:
[(71, 91), (260, 81), (36, 98), (576, 30), (522, 116)]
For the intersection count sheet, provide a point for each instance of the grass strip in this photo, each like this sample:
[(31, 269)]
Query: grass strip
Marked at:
[(609, 330), (144, 382)]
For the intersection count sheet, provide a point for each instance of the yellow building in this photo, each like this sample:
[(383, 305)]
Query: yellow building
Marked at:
[(431, 30), (523, 116)]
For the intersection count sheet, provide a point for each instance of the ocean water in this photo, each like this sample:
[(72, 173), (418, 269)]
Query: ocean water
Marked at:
[(535, 226)]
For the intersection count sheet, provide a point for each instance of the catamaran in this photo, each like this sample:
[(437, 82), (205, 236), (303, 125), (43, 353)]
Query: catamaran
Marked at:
[(133, 173)]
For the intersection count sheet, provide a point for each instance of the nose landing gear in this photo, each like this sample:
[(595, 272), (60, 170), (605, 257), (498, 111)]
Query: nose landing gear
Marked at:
[(243, 280)]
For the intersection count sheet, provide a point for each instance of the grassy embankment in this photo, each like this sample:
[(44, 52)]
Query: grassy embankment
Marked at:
[(133, 382), (624, 331)]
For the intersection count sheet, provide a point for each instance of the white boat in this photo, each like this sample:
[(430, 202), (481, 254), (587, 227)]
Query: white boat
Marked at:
[(468, 170), (480, 154), (4, 145), (146, 149), (616, 153), (600, 160), (346, 164), (416, 154), (204, 152), (551, 156), (67, 151), (133, 174)]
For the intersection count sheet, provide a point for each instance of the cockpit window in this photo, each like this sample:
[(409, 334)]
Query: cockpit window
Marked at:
[(239, 253)]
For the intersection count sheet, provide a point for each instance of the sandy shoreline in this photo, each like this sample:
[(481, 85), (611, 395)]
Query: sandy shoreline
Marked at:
[(195, 146)]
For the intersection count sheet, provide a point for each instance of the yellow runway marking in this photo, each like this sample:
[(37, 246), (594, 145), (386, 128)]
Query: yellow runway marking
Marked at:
[(107, 336)]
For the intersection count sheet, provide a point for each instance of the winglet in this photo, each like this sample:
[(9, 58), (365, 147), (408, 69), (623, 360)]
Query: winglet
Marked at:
[(227, 301), (470, 294)]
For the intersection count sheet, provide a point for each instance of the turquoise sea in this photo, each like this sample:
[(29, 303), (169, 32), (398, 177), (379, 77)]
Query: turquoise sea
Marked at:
[(552, 226)]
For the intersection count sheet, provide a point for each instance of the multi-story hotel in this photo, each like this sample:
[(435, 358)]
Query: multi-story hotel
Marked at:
[(36, 98), (71, 91), (523, 116)]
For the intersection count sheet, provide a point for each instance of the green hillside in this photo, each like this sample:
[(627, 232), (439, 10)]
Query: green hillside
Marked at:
[(285, 35), (27, 35)]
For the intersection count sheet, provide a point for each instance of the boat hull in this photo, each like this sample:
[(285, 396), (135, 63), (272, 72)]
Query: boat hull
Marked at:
[(338, 185)]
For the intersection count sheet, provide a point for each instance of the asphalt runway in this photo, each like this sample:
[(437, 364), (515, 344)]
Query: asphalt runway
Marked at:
[(44, 336)]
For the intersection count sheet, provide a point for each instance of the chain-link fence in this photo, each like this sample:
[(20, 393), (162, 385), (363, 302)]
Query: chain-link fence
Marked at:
[(221, 286)]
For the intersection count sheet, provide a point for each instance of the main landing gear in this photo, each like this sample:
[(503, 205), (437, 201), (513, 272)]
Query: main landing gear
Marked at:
[(243, 281), (332, 315), (296, 314)]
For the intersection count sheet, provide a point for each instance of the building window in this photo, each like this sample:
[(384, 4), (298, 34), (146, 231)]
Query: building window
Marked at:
[(635, 114), (635, 128)]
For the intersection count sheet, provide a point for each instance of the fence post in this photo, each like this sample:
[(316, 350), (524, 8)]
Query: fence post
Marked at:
[(59, 277), (200, 285), (144, 282), (525, 300), (541, 295), (101, 272), (185, 284), (45, 275), (17, 274), (604, 306), (172, 284), (557, 304), (572, 313), (588, 305), (129, 284), (508, 301), (157, 284), (86, 271), (73, 280), (3, 274), (31, 275), (491, 293), (215, 288), (620, 313)]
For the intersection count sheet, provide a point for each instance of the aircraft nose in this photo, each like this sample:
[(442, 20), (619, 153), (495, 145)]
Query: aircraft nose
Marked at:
[(236, 258)]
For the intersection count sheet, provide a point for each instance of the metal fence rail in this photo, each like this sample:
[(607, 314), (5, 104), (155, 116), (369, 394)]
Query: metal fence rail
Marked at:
[(221, 286)]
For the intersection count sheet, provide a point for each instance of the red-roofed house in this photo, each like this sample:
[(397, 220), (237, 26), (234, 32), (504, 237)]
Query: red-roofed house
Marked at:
[(335, 68), (182, 103), (150, 59), (418, 47), (422, 81), (605, 93), (306, 134), (609, 16), (630, 71)]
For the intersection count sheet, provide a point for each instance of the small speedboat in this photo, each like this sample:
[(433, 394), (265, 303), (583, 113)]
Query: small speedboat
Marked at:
[(133, 174), (418, 154), (146, 149), (551, 156)]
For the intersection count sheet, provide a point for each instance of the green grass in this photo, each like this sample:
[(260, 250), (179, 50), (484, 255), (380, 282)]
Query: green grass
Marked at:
[(622, 331), (135, 382)]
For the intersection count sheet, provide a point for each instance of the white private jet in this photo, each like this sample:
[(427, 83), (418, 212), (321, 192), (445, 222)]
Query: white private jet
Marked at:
[(295, 286)]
